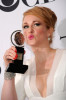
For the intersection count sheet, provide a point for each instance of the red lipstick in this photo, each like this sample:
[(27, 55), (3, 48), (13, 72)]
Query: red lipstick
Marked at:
[(31, 37)]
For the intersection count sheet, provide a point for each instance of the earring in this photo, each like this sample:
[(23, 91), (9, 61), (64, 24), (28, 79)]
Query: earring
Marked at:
[(49, 39)]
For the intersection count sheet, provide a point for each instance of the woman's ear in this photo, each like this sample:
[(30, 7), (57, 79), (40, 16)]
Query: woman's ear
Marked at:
[(50, 30), (50, 33)]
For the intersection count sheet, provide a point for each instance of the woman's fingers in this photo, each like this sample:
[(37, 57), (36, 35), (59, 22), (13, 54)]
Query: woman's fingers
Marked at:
[(11, 53)]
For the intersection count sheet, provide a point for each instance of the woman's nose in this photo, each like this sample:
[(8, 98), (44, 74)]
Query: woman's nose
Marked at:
[(31, 30)]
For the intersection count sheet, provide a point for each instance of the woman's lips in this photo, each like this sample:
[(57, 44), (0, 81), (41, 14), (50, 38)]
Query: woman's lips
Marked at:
[(31, 37)]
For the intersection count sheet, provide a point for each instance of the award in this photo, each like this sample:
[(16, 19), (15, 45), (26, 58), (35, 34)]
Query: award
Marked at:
[(17, 66)]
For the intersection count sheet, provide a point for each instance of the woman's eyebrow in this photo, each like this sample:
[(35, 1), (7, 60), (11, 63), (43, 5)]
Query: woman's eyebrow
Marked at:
[(32, 22), (36, 21), (25, 23)]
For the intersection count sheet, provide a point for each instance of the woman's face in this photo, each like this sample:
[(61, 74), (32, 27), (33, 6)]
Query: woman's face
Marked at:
[(35, 31)]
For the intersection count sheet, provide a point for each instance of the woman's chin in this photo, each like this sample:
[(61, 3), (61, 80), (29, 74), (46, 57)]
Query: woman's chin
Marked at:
[(31, 44)]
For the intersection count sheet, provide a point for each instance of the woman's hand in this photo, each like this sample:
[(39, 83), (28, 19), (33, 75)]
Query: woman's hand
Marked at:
[(10, 55)]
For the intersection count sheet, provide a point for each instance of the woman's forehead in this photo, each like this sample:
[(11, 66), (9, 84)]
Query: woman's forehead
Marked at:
[(32, 18)]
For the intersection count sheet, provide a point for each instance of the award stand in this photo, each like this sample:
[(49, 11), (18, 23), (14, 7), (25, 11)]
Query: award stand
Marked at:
[(17, 66)]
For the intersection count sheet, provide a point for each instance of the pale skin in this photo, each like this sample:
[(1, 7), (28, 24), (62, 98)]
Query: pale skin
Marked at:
[(36, 28), (8, 91), (43, 53)]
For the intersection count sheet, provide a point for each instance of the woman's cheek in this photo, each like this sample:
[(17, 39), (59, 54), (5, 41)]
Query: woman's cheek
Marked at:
[(39, 32), (25, 37), (25, 34)]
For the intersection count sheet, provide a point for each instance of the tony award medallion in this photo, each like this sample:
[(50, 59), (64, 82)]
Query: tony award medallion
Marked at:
[(17, 66)]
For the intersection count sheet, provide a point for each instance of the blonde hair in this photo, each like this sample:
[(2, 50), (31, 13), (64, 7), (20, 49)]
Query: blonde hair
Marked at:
[(45, 14)]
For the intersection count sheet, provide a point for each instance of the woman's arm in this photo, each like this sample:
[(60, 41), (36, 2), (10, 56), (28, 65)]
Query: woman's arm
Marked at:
[(11, 90), (8, 91)]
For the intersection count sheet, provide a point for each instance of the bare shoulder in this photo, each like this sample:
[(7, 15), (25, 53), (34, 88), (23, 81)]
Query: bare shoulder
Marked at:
[(64, 53), (61, 50)]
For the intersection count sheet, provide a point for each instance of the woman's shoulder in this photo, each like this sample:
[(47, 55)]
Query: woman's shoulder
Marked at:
[(63, 51), (61, 54)]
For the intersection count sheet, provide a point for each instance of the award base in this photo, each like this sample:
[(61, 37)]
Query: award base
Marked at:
[(17, 68), (17, 65)]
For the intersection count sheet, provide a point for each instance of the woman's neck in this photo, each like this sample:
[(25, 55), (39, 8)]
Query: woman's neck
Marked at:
[(43, 56), (42, 50)]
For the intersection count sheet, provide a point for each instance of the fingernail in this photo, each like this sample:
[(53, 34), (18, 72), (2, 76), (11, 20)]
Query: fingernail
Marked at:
[(15, 57), (15, 50)]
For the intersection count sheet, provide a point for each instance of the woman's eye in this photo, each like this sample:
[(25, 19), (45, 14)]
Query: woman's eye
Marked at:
[(26, 26), (37, 24)]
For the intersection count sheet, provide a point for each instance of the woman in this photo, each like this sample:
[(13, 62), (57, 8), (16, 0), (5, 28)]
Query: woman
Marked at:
[(46, 74)]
